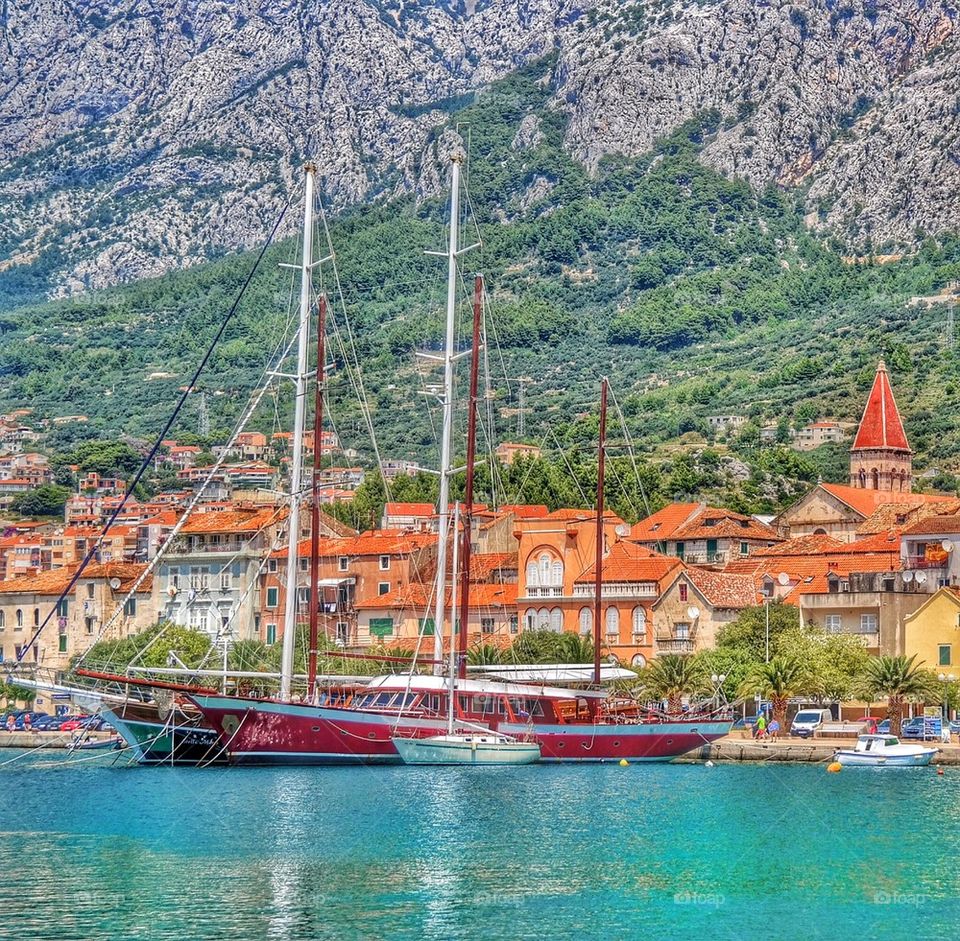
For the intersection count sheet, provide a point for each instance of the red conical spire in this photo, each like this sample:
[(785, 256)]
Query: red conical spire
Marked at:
[(881, 427)]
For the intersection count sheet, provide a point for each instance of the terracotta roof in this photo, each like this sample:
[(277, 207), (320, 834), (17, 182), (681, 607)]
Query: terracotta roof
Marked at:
[(663, 523), (866, 501), (126, 572), (875, 542), (724, 524), (44, 583), (525, 511), (231, 521), (802, 545), (948, 523), (812, 578), (881, 426), (484, 564), (722, 589), (418, 596), (373, 542), (630, 562), (901, 516)]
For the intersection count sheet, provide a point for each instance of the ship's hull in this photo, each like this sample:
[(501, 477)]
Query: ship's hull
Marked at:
[(261, 732), (152, 740)]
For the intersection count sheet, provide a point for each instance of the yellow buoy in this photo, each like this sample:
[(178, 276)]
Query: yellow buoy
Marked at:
[(624, 762), (834, 766)]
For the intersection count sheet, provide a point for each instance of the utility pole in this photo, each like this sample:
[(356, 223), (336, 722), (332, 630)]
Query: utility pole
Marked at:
[(522, 382)]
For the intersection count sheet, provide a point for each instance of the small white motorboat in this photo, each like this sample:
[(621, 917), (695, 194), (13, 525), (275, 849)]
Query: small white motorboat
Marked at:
[(885, 751), (466, 749)]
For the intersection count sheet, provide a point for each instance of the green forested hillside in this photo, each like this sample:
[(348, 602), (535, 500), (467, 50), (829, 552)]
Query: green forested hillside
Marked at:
[(696, 295)]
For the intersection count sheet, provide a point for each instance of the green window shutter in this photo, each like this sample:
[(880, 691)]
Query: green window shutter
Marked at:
[(944, 655), (426, 627), (63, 643), (272, 596), (381, 627), (271, 633)]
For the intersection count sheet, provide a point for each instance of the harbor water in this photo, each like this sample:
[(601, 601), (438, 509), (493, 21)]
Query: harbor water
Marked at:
[(656, 851)]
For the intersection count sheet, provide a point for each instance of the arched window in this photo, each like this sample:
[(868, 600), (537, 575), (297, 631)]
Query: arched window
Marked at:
[(545, 567), (819, 531), (586, 621), (639, 621), (532, 575), (543, 619), (556, 573), (19, 618), (613, 621), (862, 474), (531, 619), (638, 660), (556, 620)]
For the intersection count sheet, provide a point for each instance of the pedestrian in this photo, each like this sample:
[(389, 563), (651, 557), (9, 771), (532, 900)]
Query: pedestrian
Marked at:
[(760, 728), (773, 729)]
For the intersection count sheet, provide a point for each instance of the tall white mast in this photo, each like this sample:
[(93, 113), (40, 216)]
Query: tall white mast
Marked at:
[(453, 621), (299, 417), (445, 441)]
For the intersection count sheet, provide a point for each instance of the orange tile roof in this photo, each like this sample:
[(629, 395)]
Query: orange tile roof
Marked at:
[(866, 501), (888, 541), (631, 562), (371, 543), (663, 523), (43, 583), (525, 511), (802, 545), (881, 426), (231, 521), (126, 572), (722, 589), (946, 524)]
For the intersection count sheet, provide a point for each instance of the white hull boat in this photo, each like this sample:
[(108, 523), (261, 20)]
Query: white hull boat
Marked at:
[(885, 751), (469, 749)]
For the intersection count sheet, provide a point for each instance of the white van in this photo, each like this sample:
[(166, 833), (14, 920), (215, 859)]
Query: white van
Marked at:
[(808, 721)]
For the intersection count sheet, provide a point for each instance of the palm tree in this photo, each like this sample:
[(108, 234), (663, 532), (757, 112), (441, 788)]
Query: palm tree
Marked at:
[(779, 681), (673, 676), (899, 681), (483, 655)]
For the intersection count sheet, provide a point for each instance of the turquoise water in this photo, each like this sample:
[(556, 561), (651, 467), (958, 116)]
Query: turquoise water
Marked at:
[(652, 851)]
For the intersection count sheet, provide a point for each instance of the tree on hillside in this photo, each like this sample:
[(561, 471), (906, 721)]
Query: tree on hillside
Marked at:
[(107, 458), (45, 500), (899, 680), (779, 681)]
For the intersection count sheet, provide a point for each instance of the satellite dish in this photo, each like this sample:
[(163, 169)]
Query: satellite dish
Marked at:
[(622, 529), (947, 545), (114, 583), (907, 577), (921, 577), (172, 591), (783, 579), (693, 612)]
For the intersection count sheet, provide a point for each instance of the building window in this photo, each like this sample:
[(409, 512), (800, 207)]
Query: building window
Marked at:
[(681, 631), (271, 633), (36, 617), (273, 595), (88, 625), (19, 619), (680, 550), (514, 623), (3, 620), (543, 619), (384, 563), (639, 622), (130, 607), (586, 621), (383, 588), (744, 548), (868, 623), (683, 591), (303, 596), (304, 563), (226, 581), (204, 622), (63, 643), (556, 621), (343, 563), (530, 619), (175, 578), (833, 624), (613, 621), (487, 626), (89, 589), (343, 632), (944, 652), (272, 565), (62, 605)]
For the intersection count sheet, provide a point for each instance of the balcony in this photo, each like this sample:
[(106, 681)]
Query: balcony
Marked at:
[(705, 558), (922, 562), (618, 590), (555, 591), (675, 645)]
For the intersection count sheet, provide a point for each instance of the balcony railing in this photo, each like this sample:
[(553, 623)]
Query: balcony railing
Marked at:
[(704, 558), (675, 645), (553, 591), (922, 562), (618, 590)]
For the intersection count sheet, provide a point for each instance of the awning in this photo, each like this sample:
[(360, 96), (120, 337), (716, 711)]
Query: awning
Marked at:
[(335, 582)]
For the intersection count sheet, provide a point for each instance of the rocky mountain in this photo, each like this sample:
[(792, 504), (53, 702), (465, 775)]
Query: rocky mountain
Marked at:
[(140, 136)]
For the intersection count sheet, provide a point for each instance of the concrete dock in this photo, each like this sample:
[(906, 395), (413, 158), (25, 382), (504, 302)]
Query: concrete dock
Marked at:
[(48, 739)]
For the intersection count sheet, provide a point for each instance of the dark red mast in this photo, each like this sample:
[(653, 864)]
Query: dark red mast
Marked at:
[(314, 593), (598, 580), (468, 492)]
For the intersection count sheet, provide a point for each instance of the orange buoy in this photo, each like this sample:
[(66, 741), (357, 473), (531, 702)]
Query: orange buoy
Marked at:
[(834, 767)]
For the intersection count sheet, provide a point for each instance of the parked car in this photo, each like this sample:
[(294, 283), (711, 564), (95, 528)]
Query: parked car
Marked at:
[(920, 727), (884, 727), (809, 721)]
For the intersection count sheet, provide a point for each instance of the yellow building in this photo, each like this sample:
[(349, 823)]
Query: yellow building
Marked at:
[(932, 632)]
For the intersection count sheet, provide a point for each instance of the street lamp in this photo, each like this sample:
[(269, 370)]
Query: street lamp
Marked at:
[(766, 605), (717, 680)]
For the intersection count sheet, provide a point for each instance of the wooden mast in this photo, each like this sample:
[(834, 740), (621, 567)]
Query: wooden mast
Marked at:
[(598, 580), (468, 491), (314, 592)]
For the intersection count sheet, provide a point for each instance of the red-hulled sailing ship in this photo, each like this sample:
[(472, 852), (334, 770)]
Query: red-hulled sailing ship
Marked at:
[(356, 725)]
